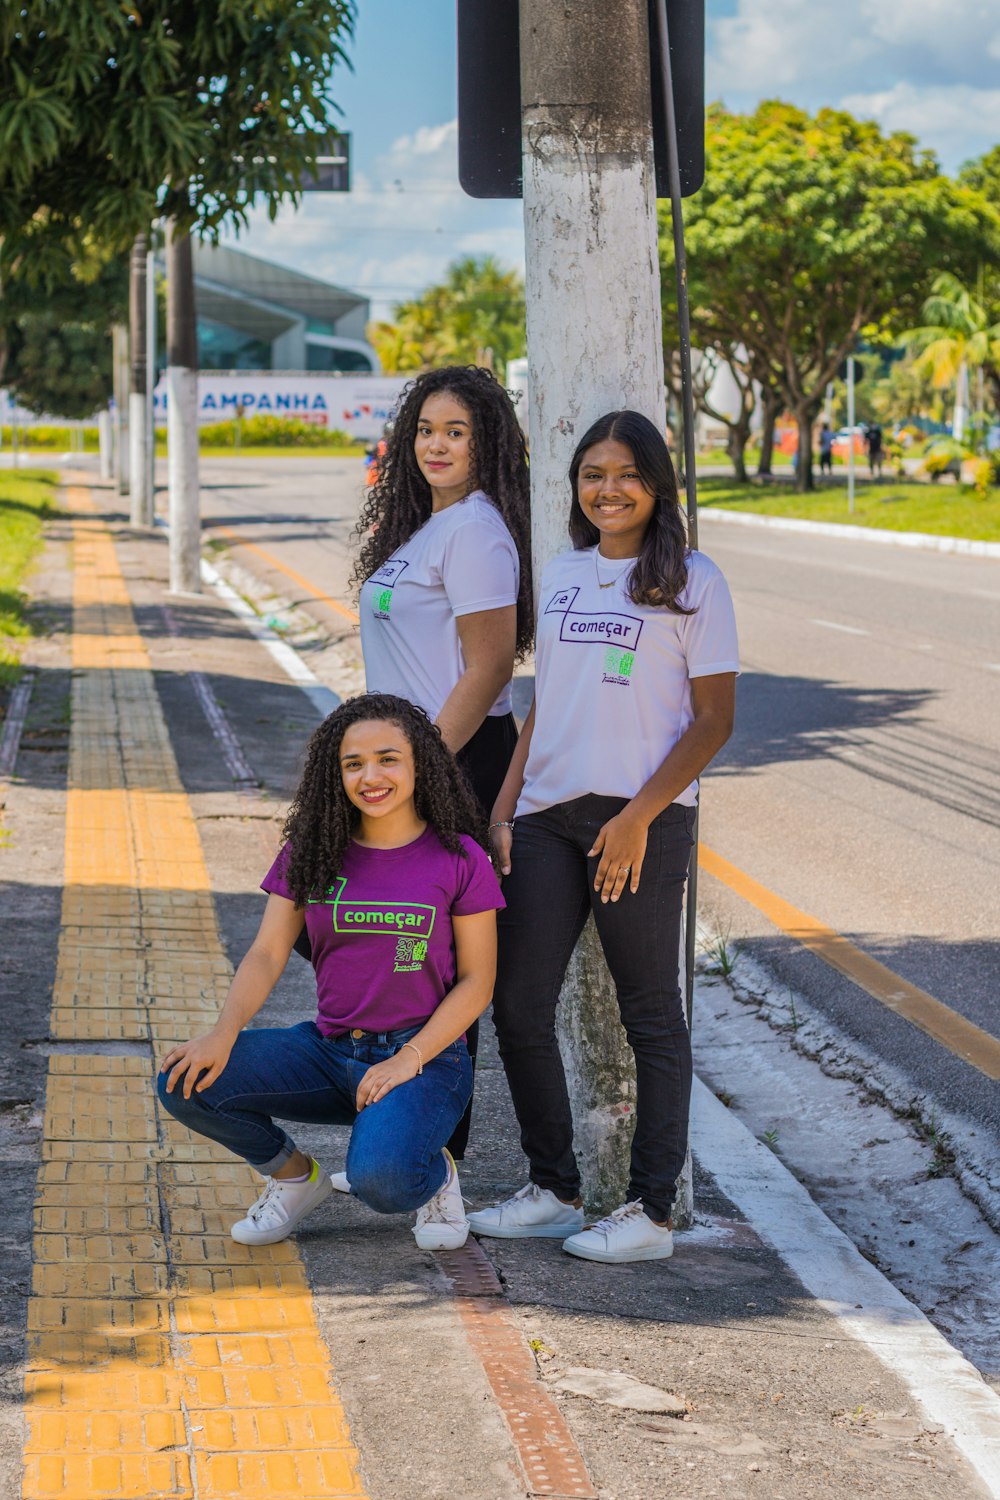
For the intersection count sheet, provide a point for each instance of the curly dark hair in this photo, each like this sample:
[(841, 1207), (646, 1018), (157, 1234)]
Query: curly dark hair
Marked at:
[(660, 572), (399, 502), (322, 820)]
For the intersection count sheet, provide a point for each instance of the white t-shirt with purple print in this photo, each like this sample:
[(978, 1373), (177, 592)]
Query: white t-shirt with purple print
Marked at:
[(613, 678)]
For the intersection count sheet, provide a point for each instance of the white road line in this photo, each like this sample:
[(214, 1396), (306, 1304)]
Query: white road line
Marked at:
[(237, 764), (832, 625), (948, 1388), (323, 699), (994, 666)]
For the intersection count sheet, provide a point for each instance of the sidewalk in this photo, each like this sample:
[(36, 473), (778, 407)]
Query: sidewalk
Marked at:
[(151, 1356)]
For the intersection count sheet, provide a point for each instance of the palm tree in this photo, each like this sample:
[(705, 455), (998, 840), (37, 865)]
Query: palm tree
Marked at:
[(956, 338)]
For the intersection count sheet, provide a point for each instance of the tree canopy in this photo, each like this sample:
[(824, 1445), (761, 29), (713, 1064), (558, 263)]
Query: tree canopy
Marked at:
[(809, 231), (479, 307), (114, 113), (55, 349)]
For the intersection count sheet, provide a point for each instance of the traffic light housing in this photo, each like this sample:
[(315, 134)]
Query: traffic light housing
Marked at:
[(489, 96)]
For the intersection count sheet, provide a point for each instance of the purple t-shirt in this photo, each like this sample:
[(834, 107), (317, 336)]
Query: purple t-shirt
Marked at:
[(382, 941)]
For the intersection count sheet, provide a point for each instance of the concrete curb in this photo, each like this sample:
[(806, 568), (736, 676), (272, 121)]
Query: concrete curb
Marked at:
[(922, 540), (949, 1389)]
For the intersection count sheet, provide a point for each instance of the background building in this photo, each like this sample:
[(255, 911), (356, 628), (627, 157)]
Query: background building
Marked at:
[(254, 315)]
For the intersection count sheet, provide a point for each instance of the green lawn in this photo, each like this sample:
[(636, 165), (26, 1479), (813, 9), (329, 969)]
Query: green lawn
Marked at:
[(943, 509), (25, 501)]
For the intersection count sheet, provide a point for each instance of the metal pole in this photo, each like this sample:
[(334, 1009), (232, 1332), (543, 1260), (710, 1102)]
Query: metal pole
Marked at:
[(850, 428), (685, 1196)]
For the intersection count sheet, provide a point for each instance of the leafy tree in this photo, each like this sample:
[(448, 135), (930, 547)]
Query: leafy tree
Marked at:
[(810, 230), (475, 316), (956, 337), (112, 114), (57, 342)]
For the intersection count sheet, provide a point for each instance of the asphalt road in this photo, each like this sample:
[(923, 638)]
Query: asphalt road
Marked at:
[(863, 781)]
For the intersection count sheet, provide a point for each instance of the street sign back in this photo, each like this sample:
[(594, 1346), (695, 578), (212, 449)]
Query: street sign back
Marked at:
[(489, 96), (332, 166)]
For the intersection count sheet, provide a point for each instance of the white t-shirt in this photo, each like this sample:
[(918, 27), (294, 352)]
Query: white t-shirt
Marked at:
[(613, 678), (462, 560)]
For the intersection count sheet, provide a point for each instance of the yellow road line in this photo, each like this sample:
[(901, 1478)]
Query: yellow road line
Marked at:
[(291, 573), (163, 1359), (966, 1040)]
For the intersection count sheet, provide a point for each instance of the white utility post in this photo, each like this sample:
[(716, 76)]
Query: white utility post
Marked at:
[(850, 429), (594, 345), (151, 382), (138, 421), (182, 418), (119, 358)]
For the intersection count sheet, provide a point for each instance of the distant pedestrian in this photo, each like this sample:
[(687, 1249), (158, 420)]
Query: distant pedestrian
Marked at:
[(636, 664), (873, 443), (825, 449), (382, 864)]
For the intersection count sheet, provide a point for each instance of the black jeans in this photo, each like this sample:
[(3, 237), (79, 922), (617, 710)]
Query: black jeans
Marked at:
[(549, 894), (484, 759)]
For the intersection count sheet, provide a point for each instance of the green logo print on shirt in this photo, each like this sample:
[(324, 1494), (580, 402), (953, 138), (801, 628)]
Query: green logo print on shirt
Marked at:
[(381, 603), (410, 955), (618, 666)]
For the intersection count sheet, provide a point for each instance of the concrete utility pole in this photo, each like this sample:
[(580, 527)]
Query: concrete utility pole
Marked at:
[(138, 424), (594, 345), (120, 378), (182, 417)]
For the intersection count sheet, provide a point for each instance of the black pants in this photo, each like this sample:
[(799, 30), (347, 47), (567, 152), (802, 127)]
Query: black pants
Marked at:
[(549, 894), (484, 759)]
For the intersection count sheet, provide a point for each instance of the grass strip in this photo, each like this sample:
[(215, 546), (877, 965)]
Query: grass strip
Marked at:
[(25, 502), (943, 509)]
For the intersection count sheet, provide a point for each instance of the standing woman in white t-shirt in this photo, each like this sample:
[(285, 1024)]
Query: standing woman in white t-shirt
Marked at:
[(636, 665), (444, 572)]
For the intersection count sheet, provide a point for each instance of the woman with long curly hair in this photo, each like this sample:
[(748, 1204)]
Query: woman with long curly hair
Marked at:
[(444, 572), (444, 569), (381, 864), (636, 665)]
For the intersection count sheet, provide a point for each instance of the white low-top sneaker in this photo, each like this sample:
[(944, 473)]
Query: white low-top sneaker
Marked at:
[(441, 1223), (281, 1207), (533, 1213), (339, 1182), (627, 1234)]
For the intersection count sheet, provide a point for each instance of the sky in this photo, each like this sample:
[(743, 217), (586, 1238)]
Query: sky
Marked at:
[(931, 67)]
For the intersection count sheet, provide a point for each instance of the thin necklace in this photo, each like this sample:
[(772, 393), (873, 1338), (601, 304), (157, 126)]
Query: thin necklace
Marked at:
[(597, 569)]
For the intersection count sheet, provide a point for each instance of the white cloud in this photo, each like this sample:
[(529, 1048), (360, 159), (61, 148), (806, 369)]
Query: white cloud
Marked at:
[(399, 227), (914, 65), (959, 120)]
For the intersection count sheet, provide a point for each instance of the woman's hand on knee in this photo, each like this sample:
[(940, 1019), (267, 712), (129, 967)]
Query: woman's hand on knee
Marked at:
[(198, 1062), (381, 1079)]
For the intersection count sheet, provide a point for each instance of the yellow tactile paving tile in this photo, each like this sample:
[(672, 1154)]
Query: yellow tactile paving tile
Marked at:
[(118, 1476), (143, 1308), (329, 1473)]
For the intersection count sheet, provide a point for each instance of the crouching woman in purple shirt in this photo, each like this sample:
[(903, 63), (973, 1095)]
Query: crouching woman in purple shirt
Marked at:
[(381, 865)]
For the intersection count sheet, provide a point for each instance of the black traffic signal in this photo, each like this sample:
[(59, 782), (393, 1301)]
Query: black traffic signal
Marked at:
[(489, 96)]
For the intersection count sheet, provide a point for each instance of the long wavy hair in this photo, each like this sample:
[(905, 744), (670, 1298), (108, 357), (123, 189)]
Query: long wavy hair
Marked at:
[(322, 819), (399, 502), (660, 572)]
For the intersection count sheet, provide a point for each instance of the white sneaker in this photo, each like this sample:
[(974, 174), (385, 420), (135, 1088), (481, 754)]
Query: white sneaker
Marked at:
[(533, 1213), (441, 1223), (339, 1182), (627, 1234), (280, 1208)]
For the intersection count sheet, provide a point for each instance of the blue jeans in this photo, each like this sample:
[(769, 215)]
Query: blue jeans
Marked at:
[(394, 1161)]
